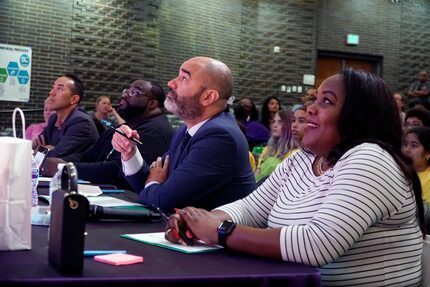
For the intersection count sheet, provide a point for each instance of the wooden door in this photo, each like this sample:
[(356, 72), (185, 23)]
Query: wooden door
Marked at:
[(328, 66)]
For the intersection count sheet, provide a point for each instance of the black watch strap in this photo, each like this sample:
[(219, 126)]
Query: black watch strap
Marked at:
[(224, 230)]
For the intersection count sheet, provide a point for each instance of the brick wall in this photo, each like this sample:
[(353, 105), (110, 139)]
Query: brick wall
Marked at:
[(376, 22), (44, 26), (414, 48), (111, 43), (290, 25)]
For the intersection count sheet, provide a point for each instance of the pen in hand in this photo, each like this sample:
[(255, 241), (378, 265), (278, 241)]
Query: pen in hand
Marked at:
[(124, 135), (181, 233)]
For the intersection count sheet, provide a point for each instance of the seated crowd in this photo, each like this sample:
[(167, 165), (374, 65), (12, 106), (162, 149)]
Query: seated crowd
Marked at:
[(331, 189)]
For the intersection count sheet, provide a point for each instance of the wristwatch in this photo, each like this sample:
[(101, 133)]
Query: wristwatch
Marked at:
[(224, 230)]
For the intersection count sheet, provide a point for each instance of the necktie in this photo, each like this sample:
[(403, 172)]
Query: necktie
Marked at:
[(186, 139), (184, 143)]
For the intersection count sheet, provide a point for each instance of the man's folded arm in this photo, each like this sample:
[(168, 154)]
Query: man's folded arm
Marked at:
[(207, 168)]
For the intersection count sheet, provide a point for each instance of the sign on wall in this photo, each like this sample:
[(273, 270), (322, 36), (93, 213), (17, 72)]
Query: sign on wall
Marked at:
[(15, 73)]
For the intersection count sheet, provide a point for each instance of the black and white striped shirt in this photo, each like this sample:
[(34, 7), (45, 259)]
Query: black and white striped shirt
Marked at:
[(357, 222)]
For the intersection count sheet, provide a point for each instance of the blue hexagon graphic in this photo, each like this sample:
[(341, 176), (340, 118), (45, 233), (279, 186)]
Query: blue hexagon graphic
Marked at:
[(23, 77), (12, 69), (24, 60)]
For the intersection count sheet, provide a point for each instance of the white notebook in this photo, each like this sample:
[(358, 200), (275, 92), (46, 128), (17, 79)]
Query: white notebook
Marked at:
[(157, 239)]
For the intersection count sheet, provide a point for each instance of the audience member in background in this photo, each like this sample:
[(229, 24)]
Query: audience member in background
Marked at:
[(250, 108), (417, 117), (208, 162), (70, 130), (400, 101), (256, 133), (251, 156), (105, 114), (280, 146), (347, 203), (309, 98), (271, 106), (416, 146), (34, 130), (419, 90), (141, 105), (298, 125)]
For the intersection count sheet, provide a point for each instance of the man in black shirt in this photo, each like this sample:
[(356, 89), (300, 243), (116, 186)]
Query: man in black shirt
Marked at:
[(419, 91), (141, 106)]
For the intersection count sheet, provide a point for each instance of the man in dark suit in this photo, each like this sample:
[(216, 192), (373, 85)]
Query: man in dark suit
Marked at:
[(141, 106), (207, 164), (70, 129)]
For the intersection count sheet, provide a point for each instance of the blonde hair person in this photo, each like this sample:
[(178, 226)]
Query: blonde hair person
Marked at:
[(298, 124), (280, 145), (105, 111), (400, 101), (34, 130), (105, 115)]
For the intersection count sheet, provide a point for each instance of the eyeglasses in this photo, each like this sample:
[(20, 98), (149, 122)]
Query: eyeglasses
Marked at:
[(133, 92)]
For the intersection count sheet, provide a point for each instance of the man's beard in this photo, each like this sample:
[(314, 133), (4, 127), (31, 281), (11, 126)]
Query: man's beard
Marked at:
[(185, 107), (129, 112)]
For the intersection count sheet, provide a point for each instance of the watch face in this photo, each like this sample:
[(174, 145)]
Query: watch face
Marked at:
[(226, 226)]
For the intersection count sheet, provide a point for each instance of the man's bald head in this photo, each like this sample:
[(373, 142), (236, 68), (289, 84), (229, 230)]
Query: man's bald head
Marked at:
[(219, 76)]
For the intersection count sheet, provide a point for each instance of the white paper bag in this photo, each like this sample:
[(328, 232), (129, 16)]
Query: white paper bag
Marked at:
[(15, 190)]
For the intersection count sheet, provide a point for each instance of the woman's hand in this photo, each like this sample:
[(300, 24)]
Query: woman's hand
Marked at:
[(173, 226), (202, 223), (117, 117)]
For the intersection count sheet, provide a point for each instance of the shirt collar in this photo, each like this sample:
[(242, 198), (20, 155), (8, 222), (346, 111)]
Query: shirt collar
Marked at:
[(192, 131)]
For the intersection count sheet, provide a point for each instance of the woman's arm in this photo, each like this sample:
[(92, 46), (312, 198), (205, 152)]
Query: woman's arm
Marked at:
[(204, 225), (117, 117)]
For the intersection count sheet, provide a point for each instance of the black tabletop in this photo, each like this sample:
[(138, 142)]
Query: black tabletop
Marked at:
[(161, 267)]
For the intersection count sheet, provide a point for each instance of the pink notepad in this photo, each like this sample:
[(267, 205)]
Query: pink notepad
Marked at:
[(119, 259)]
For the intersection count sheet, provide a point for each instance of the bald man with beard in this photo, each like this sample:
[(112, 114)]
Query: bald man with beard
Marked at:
[(207, 164)]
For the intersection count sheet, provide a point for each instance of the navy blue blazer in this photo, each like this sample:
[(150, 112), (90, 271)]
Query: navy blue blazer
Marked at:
[(77, 134), (214, 169)]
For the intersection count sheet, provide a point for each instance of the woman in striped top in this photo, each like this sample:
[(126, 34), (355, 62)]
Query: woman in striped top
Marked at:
[(345, 203)]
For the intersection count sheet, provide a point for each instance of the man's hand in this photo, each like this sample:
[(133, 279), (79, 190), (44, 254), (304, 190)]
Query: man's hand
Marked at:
[(38, 142), (124, 145), (157, 171)]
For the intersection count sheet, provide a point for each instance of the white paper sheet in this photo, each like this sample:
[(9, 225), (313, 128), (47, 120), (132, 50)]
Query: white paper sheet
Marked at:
[(157, 239), (107, 201)]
